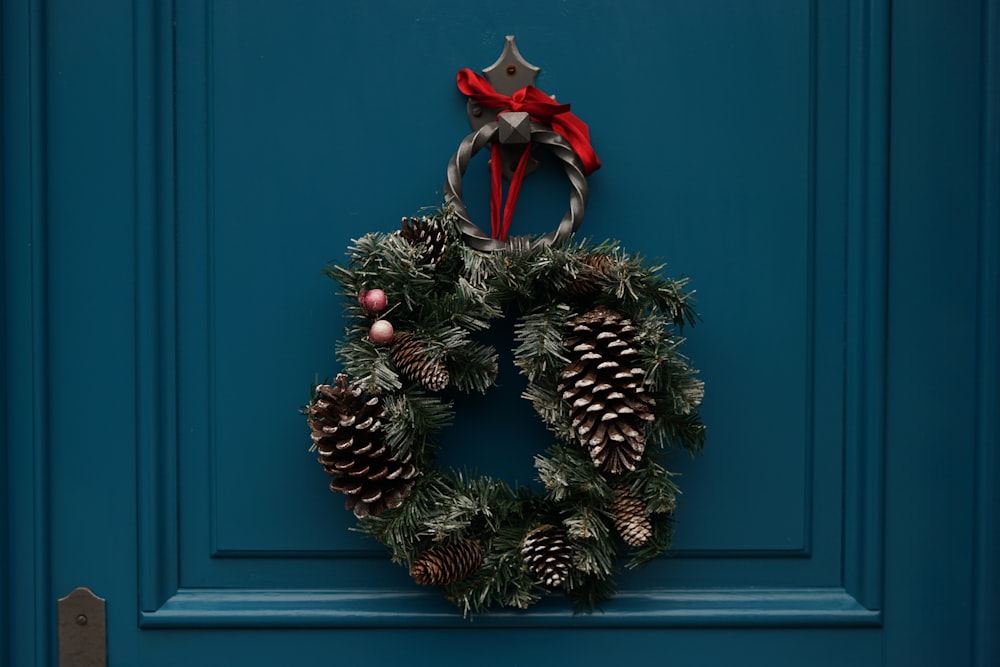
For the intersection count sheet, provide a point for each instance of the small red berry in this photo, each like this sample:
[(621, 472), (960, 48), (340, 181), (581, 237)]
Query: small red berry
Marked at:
[(374, 301), (381, 332)]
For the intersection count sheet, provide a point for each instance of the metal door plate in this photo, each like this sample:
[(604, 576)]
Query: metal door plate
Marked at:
[(508, 74), (82, 630)]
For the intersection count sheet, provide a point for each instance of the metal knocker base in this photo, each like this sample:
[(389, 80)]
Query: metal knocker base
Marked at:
[(540, 134)]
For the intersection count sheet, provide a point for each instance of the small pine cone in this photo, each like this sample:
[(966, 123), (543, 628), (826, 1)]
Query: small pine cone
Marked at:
[(631, 520), (447, 563), (548, 554), (603, 386), (430, 233), (590, 269), (347, 433), (411, 362)]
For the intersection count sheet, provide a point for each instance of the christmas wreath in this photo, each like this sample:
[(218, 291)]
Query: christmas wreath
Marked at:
[(597, 335)]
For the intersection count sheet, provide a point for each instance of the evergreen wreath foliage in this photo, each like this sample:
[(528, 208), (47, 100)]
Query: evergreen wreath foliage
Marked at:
[(443, 303)]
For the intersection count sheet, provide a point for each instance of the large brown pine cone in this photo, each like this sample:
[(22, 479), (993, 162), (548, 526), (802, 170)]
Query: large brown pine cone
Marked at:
[(347, 433), (603, 386)]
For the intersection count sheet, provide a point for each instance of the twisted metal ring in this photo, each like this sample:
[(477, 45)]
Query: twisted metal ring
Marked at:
[(540, 134)]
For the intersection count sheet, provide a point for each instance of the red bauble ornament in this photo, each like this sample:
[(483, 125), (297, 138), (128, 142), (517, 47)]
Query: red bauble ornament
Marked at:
[(381, 332), (374, 301)]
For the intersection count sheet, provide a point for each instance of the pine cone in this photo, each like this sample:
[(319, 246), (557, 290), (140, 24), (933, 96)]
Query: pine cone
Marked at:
[(347, 432), (548, 554), (447, 563), (631, 520), (411, 362), (603, 385), (590, 269), (429, 232)]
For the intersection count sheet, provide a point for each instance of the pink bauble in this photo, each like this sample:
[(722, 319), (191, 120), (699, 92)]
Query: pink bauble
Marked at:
[(374, 301), (380, 332)]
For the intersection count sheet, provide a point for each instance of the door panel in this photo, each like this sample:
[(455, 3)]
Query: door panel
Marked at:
[(192, 166), (285, 153)]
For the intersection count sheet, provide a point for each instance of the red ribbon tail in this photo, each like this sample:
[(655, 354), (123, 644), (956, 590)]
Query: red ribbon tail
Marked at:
[(496, 189), (515, 190), (576, 132)]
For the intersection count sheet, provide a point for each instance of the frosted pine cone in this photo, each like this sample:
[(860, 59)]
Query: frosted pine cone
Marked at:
[(603, 386), (631, 520), (430, 233), (547, 552), (347, 433)]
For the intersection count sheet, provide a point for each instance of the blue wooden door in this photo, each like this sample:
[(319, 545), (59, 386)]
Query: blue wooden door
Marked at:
[(177, 174)]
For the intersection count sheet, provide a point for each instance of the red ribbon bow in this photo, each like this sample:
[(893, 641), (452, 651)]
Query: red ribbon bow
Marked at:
[(540, 107)]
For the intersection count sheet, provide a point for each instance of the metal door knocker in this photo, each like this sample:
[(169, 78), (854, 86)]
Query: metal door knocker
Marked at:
[(509, 114)]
